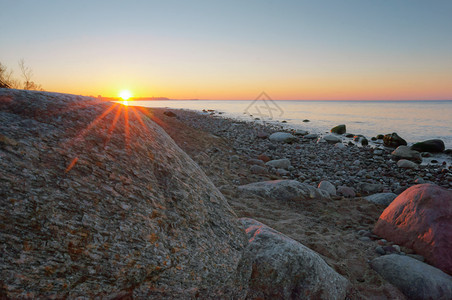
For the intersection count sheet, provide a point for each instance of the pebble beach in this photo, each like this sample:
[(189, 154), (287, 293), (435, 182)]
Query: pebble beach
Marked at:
[(362, 180)]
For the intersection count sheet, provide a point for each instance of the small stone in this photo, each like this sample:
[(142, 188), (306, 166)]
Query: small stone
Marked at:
[(380, 250), (282, 137), (301, 132), (255, 169), (283, 163), (264, 158), (407, 164), (311, 136), (419, 180), (327, 186), (339, 129), (346, 191)]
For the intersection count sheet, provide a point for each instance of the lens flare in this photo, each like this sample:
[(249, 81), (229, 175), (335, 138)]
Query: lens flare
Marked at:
[(125, 95)]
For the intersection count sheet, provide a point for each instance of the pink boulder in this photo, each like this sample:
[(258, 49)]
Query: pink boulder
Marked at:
[(421, 219)]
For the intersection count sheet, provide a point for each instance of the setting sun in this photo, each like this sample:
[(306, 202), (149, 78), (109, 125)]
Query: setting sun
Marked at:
[(125, 95)]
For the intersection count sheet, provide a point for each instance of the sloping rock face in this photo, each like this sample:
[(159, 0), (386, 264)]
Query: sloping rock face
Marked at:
[(284, 190), (285, 269), (415, 279), (421, 218), (96, 200)]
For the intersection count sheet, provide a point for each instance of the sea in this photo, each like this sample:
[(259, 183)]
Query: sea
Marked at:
[(414, 121)]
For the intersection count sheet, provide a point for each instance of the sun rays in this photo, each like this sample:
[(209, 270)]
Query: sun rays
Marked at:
[(108, 122)]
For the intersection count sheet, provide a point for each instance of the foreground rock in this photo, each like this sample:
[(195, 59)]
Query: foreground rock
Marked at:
[(432, 146), (421, 218), (285, 269), (282, 137), (393, 140), (415, 279), (284, 190), (96, 211)]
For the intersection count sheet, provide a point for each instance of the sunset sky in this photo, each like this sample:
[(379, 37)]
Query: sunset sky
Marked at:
[(349, 50)]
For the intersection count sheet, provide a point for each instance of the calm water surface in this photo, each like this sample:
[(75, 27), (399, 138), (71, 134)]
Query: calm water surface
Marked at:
[(413, 120)]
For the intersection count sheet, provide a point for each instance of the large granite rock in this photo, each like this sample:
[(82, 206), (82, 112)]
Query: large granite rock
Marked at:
[(393, 140), (285, 269), (432, 146), (421, 218), (284, 190), (414, 278), (97, 201)]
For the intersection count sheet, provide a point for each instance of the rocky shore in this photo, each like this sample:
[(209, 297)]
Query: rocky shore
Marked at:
[(339, 158), (362, 181), (105, 201)]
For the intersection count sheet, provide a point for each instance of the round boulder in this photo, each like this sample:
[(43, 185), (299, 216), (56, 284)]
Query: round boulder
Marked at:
[(431, 146), (421, 218)]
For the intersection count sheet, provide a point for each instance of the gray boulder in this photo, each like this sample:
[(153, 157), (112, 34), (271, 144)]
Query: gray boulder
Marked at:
[(284, 190), (285, 269), (431, 146), (327, 186), (282, 163), (405, 152), (339, 129), (381, 198), (415, 279), (282, 137), (88, 214)]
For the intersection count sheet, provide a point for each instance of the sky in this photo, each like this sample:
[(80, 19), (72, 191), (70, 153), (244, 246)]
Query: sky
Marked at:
[(303, 50)]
